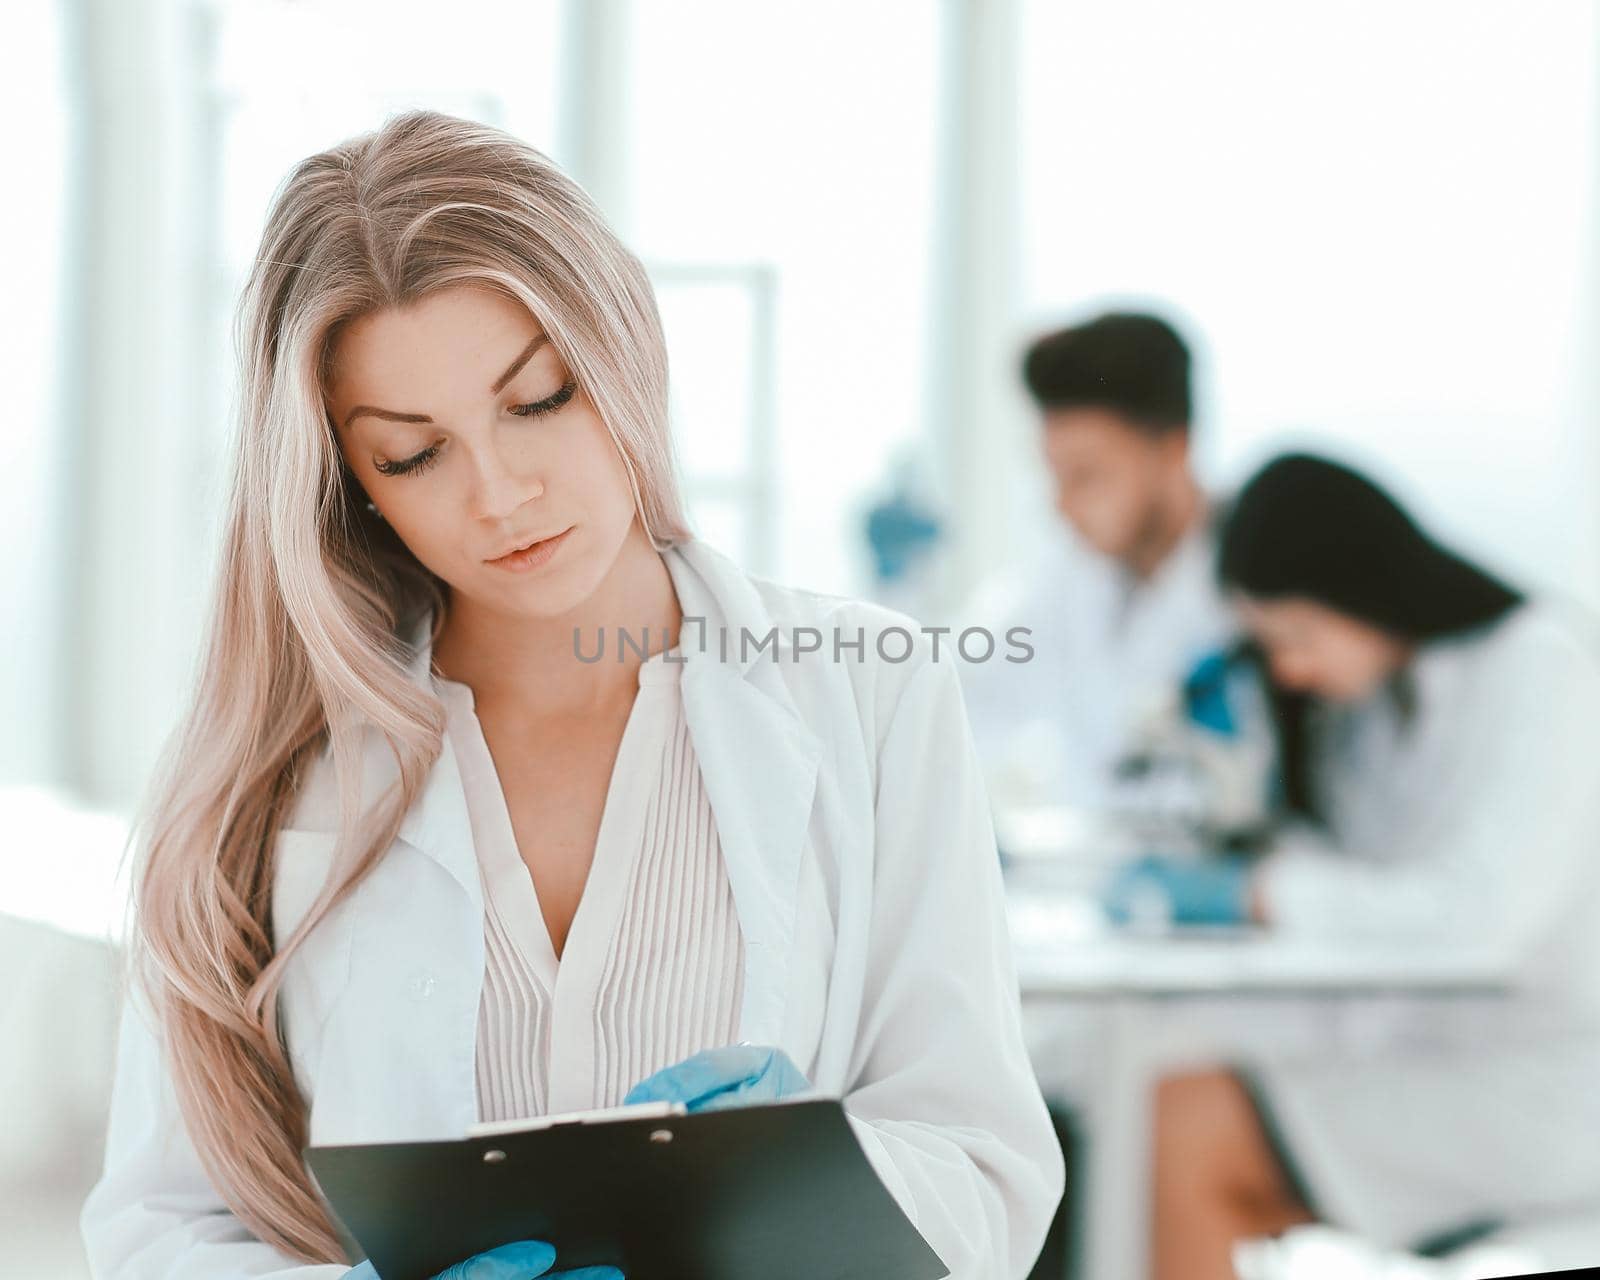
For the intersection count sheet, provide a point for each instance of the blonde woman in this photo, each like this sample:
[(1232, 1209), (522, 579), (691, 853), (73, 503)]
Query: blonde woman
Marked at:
[(454, 831)]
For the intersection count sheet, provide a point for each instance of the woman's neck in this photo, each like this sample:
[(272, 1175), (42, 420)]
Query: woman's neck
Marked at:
[(532, 666)]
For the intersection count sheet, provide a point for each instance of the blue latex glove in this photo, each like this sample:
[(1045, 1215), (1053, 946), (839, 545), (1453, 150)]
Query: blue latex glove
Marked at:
[(736, 1075), (898, 531), (520, 1260), (1205, 694), (1211, 890)]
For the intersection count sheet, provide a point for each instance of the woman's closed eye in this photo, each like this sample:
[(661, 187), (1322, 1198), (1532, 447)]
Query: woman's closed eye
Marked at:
[(550, 403), (535, 409)]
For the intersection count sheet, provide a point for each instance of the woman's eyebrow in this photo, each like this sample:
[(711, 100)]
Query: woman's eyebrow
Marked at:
[(499, 383)]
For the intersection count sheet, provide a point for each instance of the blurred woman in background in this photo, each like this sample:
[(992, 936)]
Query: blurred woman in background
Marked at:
[(1440, 734)]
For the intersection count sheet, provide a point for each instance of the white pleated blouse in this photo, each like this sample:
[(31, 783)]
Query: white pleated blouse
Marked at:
[(652, 970)]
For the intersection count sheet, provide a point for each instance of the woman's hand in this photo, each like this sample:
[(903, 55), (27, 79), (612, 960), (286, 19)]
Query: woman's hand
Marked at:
[(736, 1075), (520, 1260)]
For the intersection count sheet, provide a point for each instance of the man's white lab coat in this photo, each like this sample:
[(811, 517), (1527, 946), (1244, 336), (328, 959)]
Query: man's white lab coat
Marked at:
[(1107, 647), (856, 831)]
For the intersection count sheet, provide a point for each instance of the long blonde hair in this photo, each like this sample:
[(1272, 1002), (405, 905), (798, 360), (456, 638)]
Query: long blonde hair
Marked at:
[(313, 596)]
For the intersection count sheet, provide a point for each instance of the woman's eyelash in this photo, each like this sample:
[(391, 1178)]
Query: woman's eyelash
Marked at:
[(408, 466), (549, 404), (414, 465)]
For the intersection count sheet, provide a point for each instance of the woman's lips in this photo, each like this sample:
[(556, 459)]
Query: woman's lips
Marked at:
[(538, 554)]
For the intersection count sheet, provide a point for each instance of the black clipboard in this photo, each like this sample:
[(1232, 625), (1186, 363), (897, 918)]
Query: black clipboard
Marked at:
[(776, 1191)]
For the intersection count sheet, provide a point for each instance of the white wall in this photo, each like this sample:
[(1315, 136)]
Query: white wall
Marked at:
[(803, 138), (33, 499)]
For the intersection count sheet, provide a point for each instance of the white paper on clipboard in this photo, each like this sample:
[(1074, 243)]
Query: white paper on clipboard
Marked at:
[(632, 1111)]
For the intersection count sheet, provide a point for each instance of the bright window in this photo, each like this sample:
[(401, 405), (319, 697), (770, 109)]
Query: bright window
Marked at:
[(1377, 218)]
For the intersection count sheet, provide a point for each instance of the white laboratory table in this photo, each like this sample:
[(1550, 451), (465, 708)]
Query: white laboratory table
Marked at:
[(1106, 1013)]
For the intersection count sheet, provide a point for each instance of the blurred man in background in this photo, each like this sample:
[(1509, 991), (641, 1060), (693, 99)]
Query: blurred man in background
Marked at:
[(1121, 597)]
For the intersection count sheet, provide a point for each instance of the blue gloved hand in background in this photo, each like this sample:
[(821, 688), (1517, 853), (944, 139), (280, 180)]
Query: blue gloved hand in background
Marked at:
[(1211, 890), (520, 1260), (736, 1075), (1206, 699)]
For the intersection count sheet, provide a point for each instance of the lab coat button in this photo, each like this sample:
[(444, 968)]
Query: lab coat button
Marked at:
[(422, 985)]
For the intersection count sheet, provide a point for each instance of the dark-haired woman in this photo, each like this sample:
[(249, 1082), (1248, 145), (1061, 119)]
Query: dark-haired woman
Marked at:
[(1441, 761)]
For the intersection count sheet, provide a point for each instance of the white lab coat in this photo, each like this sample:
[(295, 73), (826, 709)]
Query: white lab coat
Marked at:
[(858, 843), (1474, 828), (1107, 647)]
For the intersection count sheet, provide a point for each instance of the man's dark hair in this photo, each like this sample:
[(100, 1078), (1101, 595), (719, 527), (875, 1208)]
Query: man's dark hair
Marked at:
[(1133, 364)]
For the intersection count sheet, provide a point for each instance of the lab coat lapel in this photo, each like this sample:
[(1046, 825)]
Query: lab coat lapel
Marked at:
[(419, 1080), (758, 763), (437, 823)]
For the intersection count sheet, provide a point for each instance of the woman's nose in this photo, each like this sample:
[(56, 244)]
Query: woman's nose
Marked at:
[(499, 487)]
